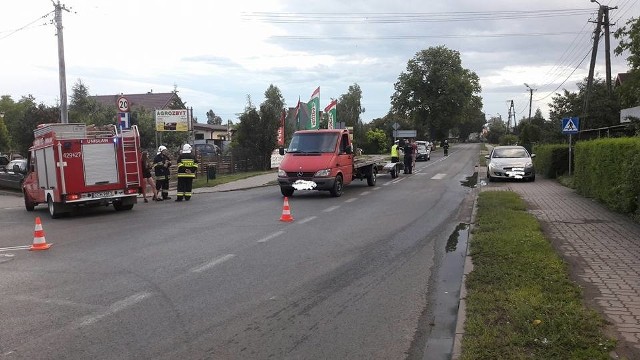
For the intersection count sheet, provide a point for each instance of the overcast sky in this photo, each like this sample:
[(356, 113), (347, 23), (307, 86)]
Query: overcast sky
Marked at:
[(216, 53)]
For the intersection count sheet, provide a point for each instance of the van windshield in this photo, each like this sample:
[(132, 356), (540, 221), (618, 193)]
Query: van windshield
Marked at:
[(313, 143)]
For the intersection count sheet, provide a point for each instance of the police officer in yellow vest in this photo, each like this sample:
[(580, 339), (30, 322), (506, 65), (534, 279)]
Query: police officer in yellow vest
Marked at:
[(395, 157), (187, 167)]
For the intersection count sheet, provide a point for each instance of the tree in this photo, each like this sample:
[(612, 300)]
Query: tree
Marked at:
[(213, 119), (84, 109), (629, 36), (603, 108), (497, 129), (377, 142), (256, 134), (436, 92), (349, 109), (5, 139)]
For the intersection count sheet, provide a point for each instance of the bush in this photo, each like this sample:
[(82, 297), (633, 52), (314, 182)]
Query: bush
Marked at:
[(551, 160)]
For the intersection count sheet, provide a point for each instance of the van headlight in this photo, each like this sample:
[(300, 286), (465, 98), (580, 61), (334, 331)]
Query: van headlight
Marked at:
[(282, 173), (323, 173)]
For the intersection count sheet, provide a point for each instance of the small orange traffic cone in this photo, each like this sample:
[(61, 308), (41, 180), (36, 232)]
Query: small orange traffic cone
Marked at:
[(39, 242), (286, 212)]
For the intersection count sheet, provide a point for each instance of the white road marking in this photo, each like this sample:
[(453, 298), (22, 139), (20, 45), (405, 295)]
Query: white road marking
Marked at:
[(351, 200), (330, 209), (438, 176), (307, 219), (377, 188), (114, 308), (213, 263), (365, 193), (13, 248), (274, 235)]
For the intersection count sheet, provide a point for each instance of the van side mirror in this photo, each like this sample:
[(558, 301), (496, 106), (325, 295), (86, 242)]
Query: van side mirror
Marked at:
[(281, 151)]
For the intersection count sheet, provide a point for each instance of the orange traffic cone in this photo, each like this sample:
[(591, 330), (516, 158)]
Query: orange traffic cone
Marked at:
[(286, 212), (39, 242)]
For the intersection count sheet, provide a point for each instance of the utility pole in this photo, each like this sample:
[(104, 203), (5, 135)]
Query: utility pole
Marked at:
[(64, 112), (512, 112), (603, 20), (530, 98)]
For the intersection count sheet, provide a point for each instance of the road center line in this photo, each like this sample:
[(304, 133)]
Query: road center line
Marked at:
[(213, 263), (365, 193), (13, 248), (438, 176), (351, 200), (307, 219), (275, 234), (331, 208), (114, 308)]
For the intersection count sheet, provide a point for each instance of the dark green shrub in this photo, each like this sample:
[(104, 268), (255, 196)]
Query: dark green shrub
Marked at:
[(552, 160)]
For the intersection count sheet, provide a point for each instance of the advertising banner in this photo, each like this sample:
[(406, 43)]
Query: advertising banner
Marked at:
[(314, 110), (332, 112), (172, 120)]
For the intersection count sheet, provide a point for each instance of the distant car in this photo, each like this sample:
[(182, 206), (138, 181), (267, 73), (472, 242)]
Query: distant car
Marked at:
[(424, 151), (206, 152), (13, 174), (510, 162)]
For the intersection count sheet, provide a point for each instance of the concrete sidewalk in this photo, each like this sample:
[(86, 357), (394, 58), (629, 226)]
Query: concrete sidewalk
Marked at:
[(601, 247)]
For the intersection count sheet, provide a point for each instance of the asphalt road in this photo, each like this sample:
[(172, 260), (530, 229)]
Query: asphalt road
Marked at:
[(369, 275)]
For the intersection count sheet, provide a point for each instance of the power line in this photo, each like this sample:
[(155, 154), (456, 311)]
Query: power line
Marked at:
[(11, 32), (411, 37)]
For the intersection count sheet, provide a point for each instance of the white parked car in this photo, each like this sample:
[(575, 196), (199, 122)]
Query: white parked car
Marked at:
[(510, 162)]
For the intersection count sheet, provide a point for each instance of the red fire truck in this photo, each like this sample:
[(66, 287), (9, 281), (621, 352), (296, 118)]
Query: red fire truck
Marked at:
[(73, 165)]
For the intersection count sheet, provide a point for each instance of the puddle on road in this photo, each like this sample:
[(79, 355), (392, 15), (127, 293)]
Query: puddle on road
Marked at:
[(454, 238), (471, 181)]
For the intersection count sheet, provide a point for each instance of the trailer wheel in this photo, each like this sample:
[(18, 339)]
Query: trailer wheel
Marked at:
[(393, 172), (371, 177), (286, 191), (336, 191), (54, 208), (27, 203)]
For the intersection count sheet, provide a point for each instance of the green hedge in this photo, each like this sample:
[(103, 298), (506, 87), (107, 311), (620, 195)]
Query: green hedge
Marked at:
[(551, 160), (609, 170)]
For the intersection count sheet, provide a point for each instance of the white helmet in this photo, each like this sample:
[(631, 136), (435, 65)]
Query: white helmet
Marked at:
[(161, 148), (186, 149)]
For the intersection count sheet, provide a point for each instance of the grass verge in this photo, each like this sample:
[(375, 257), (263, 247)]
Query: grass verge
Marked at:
[(202, 181), (520, 301)]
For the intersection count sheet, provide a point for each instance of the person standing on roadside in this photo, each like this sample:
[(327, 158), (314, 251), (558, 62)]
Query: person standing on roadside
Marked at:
[(187, 168), (408, 158), (147, 179), (395, 157), (161, 164)]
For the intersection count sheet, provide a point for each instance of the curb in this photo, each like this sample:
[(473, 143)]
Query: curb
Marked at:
[(468, 268)]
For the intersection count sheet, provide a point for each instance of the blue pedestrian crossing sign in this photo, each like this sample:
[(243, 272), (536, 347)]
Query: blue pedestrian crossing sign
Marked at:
[(570, 125)]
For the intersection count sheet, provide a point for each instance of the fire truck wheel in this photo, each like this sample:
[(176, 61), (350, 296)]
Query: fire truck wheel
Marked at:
[(120, 206), (54, 208), (28, 204)]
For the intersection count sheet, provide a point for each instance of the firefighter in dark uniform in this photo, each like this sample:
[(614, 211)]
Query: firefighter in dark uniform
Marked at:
[(187, 167), (408, 158), (161, 164)]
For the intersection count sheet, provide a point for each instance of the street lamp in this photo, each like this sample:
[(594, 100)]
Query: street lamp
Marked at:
[(530, 98)]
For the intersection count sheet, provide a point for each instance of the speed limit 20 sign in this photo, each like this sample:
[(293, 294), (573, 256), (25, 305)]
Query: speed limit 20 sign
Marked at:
[(123, 104)]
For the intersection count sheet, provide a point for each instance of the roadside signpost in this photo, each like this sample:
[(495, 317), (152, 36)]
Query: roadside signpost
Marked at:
[(123, 113), (570, 125)]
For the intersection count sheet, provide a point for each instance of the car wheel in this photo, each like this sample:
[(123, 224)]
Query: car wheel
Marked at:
[(336, 191), (489, 177)]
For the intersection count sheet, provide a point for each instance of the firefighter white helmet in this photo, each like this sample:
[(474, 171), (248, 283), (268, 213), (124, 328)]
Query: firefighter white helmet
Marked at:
[(161, 148), (186, 149)]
